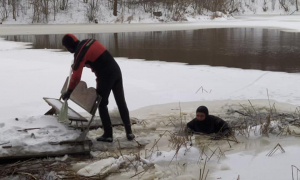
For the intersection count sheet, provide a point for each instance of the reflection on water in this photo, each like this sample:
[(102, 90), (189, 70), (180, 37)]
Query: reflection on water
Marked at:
[(247, 48)]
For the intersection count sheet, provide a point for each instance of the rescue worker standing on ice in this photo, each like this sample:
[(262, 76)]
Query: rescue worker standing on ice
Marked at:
[(90, 53)]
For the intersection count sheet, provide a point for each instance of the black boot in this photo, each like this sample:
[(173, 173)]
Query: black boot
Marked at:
[(107, 127), (104, 138), (130, 136)]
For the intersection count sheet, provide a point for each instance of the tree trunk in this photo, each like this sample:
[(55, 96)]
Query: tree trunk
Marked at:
[(115, 7), (14, 9), (5, 9), (46, 9), (63, 4), (54, 8)]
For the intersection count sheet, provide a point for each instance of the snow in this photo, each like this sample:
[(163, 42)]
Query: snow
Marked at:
[(258, 166), (188, 154), (247, 159), (62, 159), (145, 82), (103, 166), (29, 74), (215, 107), (34, 140), (76, 12), (288, 23), (96, 167), (153, 90)]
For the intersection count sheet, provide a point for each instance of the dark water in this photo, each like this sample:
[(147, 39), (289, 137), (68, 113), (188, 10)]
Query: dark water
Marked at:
[(246, 48)]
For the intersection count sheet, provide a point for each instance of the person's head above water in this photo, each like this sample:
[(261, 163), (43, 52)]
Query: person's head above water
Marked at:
[(202, 113), (70, 42)]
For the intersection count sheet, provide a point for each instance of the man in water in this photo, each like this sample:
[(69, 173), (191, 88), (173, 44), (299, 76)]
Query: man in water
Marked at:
[(208, 124), (90, 53)]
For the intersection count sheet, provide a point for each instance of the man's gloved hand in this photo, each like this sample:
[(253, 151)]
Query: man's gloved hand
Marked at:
[(66, 95)]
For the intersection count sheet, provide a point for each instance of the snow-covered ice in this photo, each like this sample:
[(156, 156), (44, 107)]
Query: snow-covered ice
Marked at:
[(249, 165), (153, 90), (96, 167), (189, 154), (23, 142), (29, 75)]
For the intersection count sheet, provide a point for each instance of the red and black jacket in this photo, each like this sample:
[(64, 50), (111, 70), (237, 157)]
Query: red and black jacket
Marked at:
[(89, 53)]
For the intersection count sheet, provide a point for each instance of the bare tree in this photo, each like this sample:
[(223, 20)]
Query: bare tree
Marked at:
[(92, 9), (273, 4), (115, 7), (63, 4), (45, 9), (285, 7), (14, 4), (55, 8), (265, 6), (3, 10), (36, 11), (164, 10), (41, 11)]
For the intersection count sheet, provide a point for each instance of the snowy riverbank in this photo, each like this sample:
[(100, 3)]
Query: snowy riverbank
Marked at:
[(289, 23), (153, 91)]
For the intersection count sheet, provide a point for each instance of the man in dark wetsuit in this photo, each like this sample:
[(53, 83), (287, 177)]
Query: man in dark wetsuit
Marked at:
[(208, 124), (90, 53)]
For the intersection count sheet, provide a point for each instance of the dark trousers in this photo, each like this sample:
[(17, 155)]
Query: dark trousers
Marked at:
[(110, 79)]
